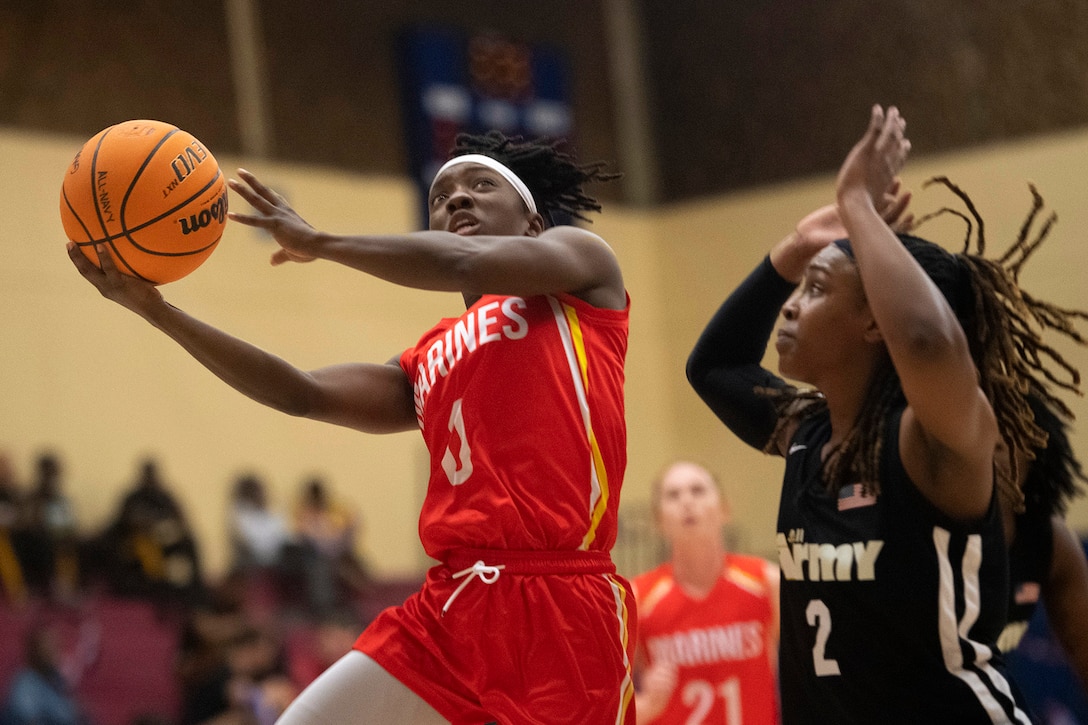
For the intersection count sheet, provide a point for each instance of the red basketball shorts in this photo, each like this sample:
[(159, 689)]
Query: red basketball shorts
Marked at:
[(549, 640)]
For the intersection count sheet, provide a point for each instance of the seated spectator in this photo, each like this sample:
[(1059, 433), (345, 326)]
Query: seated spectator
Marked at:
[(155, 549), (39, 693), (327, 531), (231, 669), (52, 562), (259, 689), (203, 670), (12, 533), (259, 536)]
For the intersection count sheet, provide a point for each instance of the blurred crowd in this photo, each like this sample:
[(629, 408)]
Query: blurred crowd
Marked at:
[(295, 596)]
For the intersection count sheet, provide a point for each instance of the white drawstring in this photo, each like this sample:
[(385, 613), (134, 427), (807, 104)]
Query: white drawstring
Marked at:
[(487, 573)]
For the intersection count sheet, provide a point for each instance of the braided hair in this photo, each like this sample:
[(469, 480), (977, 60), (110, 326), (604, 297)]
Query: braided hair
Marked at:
[(1003, 325), (553, 176), (1054, 478)]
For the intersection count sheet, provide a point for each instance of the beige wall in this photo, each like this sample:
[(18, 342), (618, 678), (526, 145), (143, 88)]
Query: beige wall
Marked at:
[(713, 244), (85, 377)]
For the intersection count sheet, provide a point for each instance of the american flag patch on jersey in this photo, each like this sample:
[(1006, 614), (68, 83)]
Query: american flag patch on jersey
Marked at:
[(1027, 593), (853, 496)]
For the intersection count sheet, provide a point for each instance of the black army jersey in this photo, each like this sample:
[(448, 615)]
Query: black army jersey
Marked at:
[(890, 610)]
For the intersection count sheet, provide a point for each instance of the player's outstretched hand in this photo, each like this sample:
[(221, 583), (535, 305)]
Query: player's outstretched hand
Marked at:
[(272, 212), (126, 290), (873, 164)]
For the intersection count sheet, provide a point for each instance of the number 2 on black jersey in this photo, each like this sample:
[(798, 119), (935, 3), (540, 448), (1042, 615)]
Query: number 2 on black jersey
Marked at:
[(819, 616)]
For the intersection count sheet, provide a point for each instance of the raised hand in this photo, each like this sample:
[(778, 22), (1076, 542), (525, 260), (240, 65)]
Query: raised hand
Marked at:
[(876, 160), (294, 235), (824, 225), (894, 210)]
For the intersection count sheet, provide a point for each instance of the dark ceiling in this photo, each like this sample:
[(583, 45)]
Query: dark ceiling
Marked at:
[(738, 94)]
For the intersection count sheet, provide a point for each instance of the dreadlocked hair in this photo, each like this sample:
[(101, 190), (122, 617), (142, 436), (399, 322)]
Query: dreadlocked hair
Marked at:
[(553, 176), (1019, 370), (1055, 477), (1003, 326)]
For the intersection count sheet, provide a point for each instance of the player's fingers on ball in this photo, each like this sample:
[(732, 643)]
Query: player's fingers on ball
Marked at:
[(105, 259), (74, 253), (79, 259)]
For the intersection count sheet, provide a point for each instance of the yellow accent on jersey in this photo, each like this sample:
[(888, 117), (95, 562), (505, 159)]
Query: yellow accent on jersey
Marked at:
[(598, 460), (658, 591), (620, 593), (746, 581)]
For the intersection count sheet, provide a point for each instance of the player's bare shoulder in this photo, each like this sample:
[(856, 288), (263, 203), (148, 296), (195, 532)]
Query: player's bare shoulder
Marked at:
[(594, 264)]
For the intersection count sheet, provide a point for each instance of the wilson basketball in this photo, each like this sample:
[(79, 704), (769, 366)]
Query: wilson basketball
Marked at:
[(152, 193)]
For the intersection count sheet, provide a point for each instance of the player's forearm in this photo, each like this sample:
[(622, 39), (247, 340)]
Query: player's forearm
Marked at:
[(724, 367), (912, 314), (430, 260), (739, 331), (255, 373)]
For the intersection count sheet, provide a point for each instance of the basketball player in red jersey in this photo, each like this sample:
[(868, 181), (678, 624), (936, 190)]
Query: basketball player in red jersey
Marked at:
[(520, 403), (708, 618)]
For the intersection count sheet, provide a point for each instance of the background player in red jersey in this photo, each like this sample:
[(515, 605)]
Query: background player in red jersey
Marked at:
[(707, 618), (520, 402)]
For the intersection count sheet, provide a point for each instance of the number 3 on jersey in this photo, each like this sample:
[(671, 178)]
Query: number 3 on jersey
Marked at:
[(457, 467)]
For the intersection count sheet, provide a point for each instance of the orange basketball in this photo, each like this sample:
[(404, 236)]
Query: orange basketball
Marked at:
[(151, 193)]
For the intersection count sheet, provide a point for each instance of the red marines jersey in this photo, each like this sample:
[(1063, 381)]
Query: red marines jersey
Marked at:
[(719, 644), (520, 402)]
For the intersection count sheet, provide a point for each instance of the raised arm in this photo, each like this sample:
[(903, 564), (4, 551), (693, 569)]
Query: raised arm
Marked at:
[(371, 398), (537, 261), (724, 367), (949, 428)]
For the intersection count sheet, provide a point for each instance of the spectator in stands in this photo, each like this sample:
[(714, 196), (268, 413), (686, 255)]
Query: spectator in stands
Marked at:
[(12, 533), (52, 562), (259, 689), (202, 667), (39, 693), (155, 547), (259, 536), (327, 533)]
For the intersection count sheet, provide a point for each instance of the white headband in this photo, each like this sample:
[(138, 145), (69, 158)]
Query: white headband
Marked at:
[(501, 169)]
